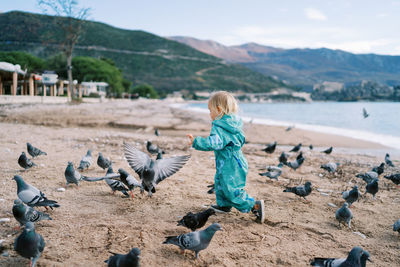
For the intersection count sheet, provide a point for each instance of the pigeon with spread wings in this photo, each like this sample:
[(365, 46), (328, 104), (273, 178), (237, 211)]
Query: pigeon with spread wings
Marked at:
[(152, 172)]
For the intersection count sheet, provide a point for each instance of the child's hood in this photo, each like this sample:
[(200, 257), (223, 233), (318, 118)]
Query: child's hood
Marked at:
[(230, 123)]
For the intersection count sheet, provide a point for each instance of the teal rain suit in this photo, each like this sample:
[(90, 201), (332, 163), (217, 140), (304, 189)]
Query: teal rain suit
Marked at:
[(226, 140)]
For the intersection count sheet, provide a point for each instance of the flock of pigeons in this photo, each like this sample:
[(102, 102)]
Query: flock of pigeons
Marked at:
[(357, 256), (30, 244)]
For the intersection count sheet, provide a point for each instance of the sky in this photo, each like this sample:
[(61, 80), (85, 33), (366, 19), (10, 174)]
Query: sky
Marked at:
[(357, 26)]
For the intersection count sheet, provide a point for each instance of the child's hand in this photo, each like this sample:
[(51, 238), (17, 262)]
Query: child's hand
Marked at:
[(191, 139)]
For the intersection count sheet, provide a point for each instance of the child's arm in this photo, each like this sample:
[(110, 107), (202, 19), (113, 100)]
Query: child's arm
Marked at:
[(213, 142)]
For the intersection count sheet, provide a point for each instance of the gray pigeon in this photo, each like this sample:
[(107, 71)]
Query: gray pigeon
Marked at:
[(365, 113), (270, 148), (296, 163), (74, 177), (33, 151), (132, 259), (153, 149), (273, 172), (152, 172), (301, 191), (395, 178), (194, 241), (125, 178), (396, 226), (356, 258), (330, 166), (352, 195), (103, 162), (159, 155), (283, 157), (156, 132), (115, 185), (296, 148), (372, 188), (86, 161), (32, 196), (24, 162), (29, 244), (388, 161), (328, 150), (24, 214), (379, 169), (368, 177), (344, 215)]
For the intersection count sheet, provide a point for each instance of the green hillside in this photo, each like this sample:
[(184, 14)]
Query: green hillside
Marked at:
[(143, 57)]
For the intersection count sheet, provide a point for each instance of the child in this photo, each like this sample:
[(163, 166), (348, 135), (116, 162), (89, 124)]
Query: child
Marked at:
[(226, 140)]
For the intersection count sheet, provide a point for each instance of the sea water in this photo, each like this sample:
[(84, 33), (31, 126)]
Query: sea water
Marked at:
[(340, 118)]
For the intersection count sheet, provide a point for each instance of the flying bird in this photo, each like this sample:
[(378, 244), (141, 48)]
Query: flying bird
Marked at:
[(296, 148), (194, 241), (270, 148), (356, 258), (344, 214), (24, 162), (29, 244), (352, 195), (365, 113), (33, 151), (103, 162), (32, 196), (195, 221), (388, 161), (301, 191), (328, 150), (86, 161), (132, 259), (24, 214), (152, 172)]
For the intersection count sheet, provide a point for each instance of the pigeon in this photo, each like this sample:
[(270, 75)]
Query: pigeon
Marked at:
[(365, 113), (156, 132), (24, 214), (212, 189), (368, 177), (159, 155), (352, 195), (283, 158), (128, 180), (295, 164), (29, 244), (152, 172), (86, 161), (395, 178), (344, 214), (195, 241), (354, 259), (372, 188), (32, 196), (330, 166), (33, 151), (270, 148), (153, 149), (115, 185), (296, 148), (310, 147), (24, 162), (197, 220), (388, 161), (103, 162), (301, 191), (74, 177), (273, 172), (379, 169), (132, 259), (396, 226), (289, 128), (328, 151)]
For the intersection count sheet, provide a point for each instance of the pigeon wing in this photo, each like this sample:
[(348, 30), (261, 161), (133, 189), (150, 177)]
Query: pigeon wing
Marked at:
[(190, 240), (167, 167), (136, 158)]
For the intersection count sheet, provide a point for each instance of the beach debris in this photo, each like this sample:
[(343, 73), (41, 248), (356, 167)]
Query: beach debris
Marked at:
[(195, 221), (86, 161), (372, 188), (120, 260), (32, 196), (61, 189), (330, 166), (34, 151), (4, 220), (356, 257), (5, 254), (332, 205), (273, 172), (301, 191), (324, 190), (24, 162), (7, 149), (324, 194), (344, 215), (152, 172), (328, 150), (194, 241), (42, 165), (296, 148), (360, 234), (321, 175), (24, 214), (352, 195), (270, 148), (388, 161), (29, 244), (103, 162)]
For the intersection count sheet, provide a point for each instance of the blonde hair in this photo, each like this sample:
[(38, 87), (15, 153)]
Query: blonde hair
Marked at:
[(225, 101)]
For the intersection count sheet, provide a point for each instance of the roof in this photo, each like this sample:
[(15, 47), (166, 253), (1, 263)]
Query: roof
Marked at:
[(94, 83), (5, 66)]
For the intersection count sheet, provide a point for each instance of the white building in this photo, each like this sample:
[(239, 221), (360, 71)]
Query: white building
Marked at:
[(94, 87)]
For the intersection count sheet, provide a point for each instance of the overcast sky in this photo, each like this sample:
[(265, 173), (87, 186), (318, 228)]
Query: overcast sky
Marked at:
[(358, 26)]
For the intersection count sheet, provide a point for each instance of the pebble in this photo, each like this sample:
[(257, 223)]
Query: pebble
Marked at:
[(324, 190), (4, 219), (332, 205), (324, 194), (41, 165), (321, 175), (5, 254), (61, 189), (96, 139), (360, 234)]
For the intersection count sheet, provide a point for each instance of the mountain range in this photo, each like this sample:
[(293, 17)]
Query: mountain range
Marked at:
[(304, 67)]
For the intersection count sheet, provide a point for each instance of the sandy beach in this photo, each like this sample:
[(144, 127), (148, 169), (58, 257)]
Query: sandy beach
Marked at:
[(92, 222)]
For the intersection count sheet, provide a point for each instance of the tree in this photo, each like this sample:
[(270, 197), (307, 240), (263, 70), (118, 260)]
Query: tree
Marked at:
[(145, 90), (71, 26), (25, 60)]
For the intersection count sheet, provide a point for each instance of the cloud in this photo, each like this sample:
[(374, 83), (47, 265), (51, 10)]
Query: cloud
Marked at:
[(314, 14)]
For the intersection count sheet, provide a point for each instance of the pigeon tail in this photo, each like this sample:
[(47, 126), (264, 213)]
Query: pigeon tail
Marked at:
[(171, 240), (92, 179)]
